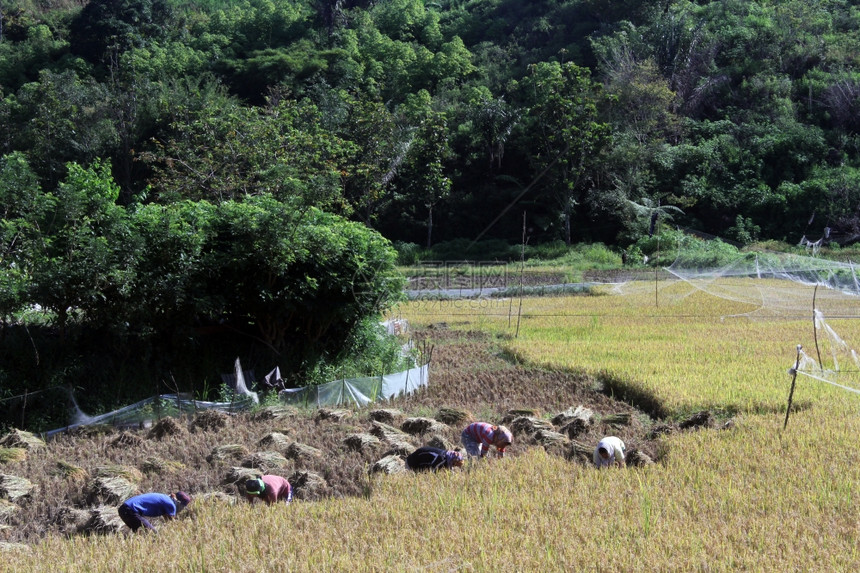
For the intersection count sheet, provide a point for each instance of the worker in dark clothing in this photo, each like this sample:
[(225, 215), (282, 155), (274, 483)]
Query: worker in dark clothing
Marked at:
[(428, 458)]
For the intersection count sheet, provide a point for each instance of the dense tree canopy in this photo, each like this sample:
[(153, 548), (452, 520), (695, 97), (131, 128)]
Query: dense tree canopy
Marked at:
[(723, 109)]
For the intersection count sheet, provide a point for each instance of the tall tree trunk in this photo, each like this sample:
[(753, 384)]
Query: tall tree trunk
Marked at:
[(430, 227), (567, 221)]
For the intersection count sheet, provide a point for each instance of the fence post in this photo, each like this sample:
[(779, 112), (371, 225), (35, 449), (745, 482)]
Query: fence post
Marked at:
[(791, 392)]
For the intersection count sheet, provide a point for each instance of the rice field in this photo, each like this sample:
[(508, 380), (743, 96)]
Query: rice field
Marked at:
[(684, 347), (753, 498)]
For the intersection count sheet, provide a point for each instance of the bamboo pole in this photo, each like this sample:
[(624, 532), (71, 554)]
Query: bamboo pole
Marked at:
[(793, 381)]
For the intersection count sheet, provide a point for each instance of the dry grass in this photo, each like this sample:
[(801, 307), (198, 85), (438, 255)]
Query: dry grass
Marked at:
[(11, 455), (530, 513), (472, 379), (752, 497)]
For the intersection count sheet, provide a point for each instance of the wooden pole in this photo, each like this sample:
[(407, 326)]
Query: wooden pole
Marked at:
[(793, 380), (522, 274)]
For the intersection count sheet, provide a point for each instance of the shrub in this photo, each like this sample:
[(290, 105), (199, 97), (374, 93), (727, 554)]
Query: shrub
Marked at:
[(547, 251), (409, 253), (670, 244), (467, 250), (593, 255), (370, 351)]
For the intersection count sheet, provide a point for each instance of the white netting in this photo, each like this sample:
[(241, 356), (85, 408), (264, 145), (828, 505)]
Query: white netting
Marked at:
[(771, 286), (350, 391), (832, 360), (359, 391), (778, 275)]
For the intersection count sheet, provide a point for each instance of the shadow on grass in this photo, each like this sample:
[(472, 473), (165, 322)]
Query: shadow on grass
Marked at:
[(624, 391)]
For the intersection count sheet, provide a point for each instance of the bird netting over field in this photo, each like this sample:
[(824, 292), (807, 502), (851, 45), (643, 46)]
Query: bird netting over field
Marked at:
[(142, 413), (773, 286), (784, 286)]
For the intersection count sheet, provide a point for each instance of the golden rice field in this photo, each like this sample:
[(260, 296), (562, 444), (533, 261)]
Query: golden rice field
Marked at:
[(751, 498)]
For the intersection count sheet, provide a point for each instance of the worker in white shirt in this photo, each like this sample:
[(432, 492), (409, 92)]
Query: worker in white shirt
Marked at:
[(609, 452)]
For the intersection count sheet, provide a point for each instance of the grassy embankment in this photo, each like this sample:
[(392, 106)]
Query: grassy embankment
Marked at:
[(754, 497)]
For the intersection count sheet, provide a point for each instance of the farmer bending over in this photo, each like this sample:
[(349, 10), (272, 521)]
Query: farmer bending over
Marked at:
[(479, 436), (428, 458), (609, 452), (269, 488), (135, 510)]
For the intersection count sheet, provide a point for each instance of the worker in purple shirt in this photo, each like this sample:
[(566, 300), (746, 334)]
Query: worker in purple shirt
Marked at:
[(135, 511), (269, 488), (479, 436)]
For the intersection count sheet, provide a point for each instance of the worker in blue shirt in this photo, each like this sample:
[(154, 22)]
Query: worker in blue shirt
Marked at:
[(135, 511)]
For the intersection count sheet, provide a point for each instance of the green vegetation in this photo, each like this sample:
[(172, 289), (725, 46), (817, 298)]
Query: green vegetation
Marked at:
[(158, 291), (186, 181), (447, 120)]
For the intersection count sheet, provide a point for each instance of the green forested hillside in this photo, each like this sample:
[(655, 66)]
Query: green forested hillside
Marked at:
[(403, 113), (168, 166)]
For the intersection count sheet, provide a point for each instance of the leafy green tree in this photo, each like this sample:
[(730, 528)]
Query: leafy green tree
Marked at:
[(744, 230), (229, 152), (841, 98), (492, 120), (832, 194), (22, 206), (567, 129), (162, 61), (387, 64), (260, 24), (291, 66), (62, 118), (299, 281), (765, 92), (162, 302), (639, 108), (260, 44), (108, 27), (21, 62), (380, 149), (77, 260), (408, 21), (452, 62), (422, 179), (330, 14), (649, 213), (726, 169)]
